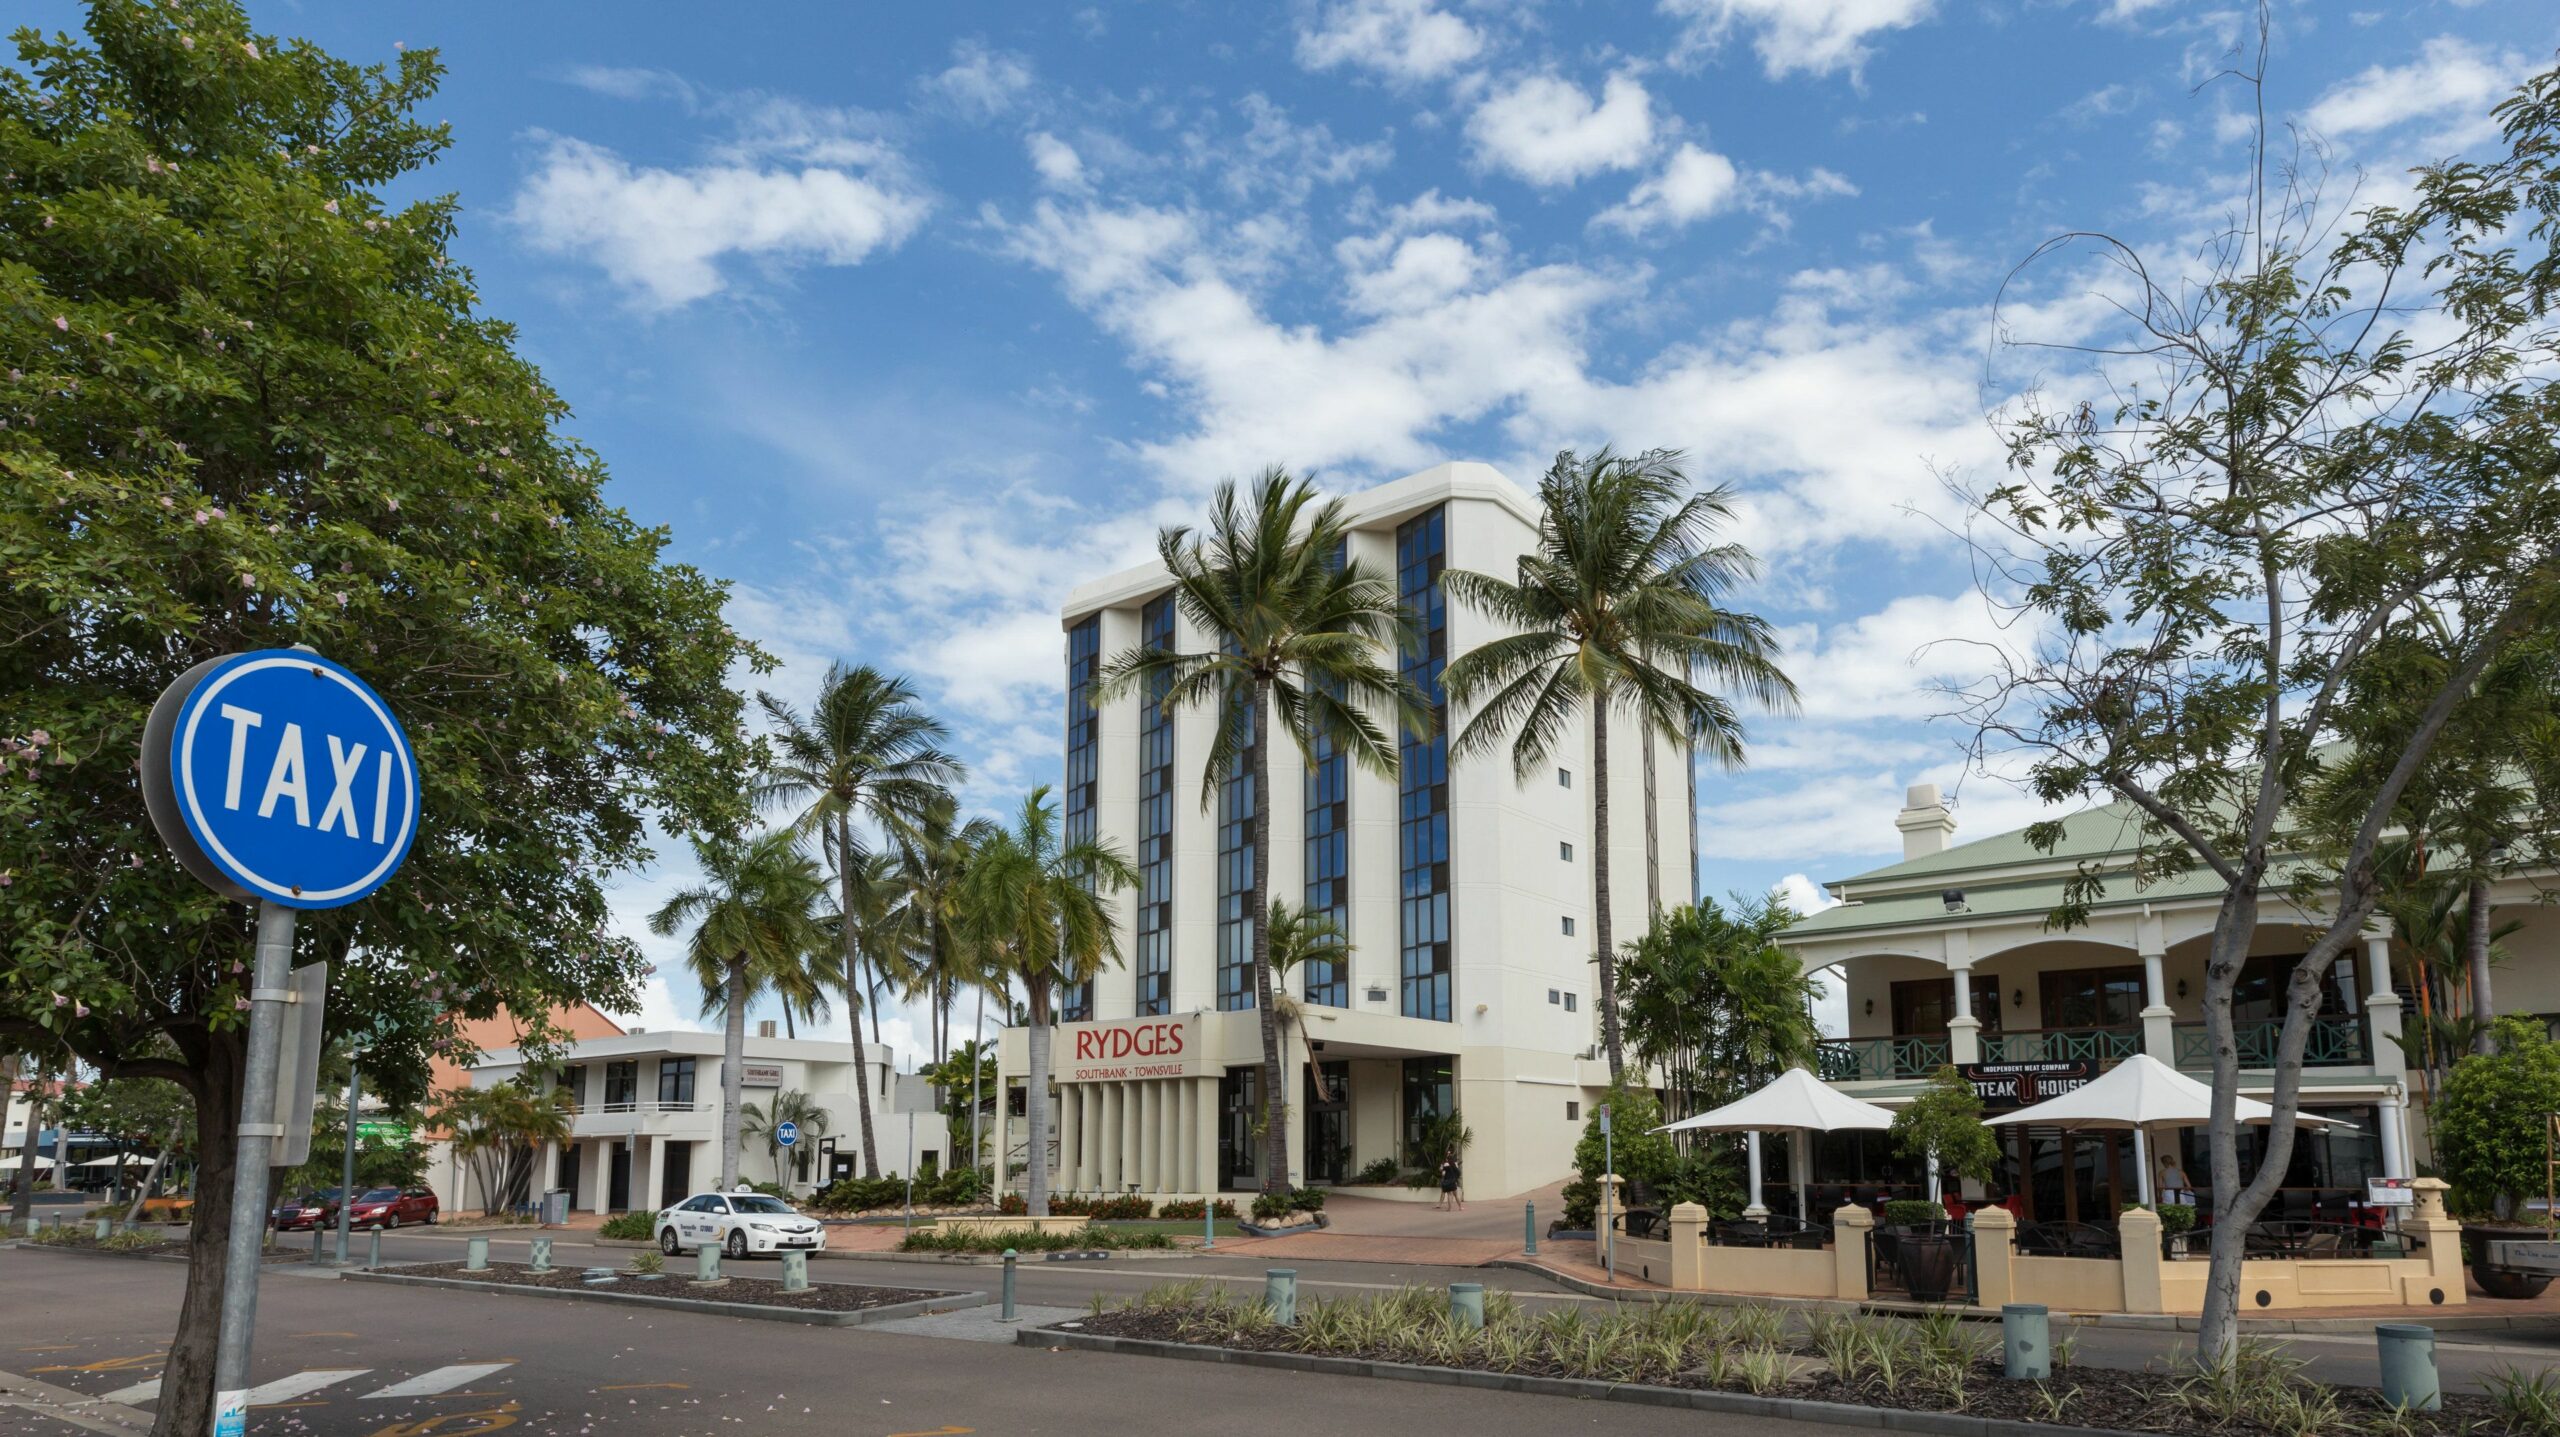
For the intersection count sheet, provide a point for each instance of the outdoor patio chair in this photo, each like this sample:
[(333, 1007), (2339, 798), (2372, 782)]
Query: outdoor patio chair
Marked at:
[(1742, 1233), (1639, 1221), (1799, 1234)]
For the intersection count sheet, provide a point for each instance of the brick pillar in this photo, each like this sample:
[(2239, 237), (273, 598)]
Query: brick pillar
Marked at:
[(2443, 1237)]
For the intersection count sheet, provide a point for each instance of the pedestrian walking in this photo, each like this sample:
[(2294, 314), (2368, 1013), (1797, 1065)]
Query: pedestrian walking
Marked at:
[(1449, 1184)]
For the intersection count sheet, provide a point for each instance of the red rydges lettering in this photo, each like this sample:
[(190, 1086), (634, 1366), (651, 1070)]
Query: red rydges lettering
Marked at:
[(1146, 1040)]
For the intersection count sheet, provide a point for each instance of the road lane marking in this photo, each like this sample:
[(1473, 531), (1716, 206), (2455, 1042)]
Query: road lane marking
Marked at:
[(135, 1395), (455, 1424), (110, 1364), (428, 1384), (639, 1386), (285, 1389)]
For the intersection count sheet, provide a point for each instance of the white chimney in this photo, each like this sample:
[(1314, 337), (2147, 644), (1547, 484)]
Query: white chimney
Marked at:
[(1925, 821), (764, 1027)]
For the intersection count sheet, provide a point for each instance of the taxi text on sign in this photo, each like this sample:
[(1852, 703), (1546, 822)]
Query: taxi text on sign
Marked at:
[(287, 777)]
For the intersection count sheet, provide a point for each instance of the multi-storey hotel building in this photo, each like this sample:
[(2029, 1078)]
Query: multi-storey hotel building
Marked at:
[(1466, 893)]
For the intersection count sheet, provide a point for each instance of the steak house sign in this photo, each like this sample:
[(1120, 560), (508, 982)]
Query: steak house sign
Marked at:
[(2004, 1086), (1129, 1048)]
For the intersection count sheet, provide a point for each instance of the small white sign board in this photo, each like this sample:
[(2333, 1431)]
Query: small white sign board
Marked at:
[(2389, 1192), (2525, 1256)]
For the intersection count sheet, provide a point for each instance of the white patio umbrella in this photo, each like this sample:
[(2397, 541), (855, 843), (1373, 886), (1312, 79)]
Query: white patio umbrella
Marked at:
[(1794, 1102), (111, 1160), (2138, 1093)]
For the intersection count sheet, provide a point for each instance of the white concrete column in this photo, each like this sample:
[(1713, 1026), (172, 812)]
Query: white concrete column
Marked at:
[(600, 1189), (1089, 1145), (2382, 1004), (1205, 1133), (1751, 1145), (1964, 1030), (1070, 1136), (1132, 1136), (1147, 1141), (645, 1199), (2159, 1020), (1106, 1175), (2395, 1139)]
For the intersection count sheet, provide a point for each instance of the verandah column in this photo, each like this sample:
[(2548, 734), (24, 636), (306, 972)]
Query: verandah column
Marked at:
[(1071, 1136), (2382, 1005), (2159, 1020), (1964, 1031)]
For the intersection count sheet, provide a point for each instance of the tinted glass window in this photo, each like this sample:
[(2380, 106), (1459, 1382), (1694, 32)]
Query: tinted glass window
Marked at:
[(761, 1204), (380, 1195)]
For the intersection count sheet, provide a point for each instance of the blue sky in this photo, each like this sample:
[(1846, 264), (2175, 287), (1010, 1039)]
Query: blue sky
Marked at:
[(906, 318)]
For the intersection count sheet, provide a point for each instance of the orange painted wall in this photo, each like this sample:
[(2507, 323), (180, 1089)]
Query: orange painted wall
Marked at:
[(504, 1031)]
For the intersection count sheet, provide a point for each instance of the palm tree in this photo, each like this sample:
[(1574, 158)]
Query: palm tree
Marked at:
[(933, 860), (866, 750), (1046, 908), (1619, 608), (756, 920), (792, 1106), (1306, 636), (498, 1130), (1300, 936)]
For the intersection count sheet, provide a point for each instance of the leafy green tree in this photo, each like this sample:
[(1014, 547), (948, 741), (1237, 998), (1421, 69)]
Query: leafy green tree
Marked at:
[(1300, 936), (1641, 1154), (247, 400), (866, 751), (2491, 1119), (965, 1075), (151, 1113), (793, 1106), (1619, 608), (1044, 907), (1715, 1005), (2300, 472), (1943, 1122), (755, 920), (499, 1131), (1305, 639), (933, 857)]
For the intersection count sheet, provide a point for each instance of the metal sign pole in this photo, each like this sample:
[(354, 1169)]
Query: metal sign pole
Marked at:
[(258, 1131), (347, 1186)]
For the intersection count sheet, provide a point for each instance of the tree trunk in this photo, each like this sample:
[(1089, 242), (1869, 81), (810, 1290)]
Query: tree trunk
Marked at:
[(22, 1190), (2218, 1327), (61, 1151), (733, 1077), (2475, 947), (1275, 1099), (871, 996), (977, 1143), (789, 1028), (1600, 927), (186, 1380), (1035, 1104), (853, 992)]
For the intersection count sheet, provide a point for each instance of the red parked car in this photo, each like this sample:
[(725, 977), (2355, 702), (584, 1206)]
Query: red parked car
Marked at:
[(392, 1207), (317, 1208)]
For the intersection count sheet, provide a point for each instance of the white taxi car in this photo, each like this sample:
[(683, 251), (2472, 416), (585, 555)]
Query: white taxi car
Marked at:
[(737, 1223)]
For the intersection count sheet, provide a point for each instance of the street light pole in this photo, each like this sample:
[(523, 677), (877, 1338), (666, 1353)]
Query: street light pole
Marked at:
[(347, 1185), (268, 993)]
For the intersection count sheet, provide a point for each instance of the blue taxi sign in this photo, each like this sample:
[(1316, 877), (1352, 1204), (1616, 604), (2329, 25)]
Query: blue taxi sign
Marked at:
[(281, 776), (786, 1132)]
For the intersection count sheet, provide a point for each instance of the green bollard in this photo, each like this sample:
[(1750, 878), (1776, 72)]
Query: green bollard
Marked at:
[(1208, 1223), (1530, 1226), (1280, 1294), (706, 1263), (1466, 1306), (104, 1225), (2410, 1380), (795, 1272), (316, 1235), (477, 1259), (1009, 1258), (373, 1253), (542, 1254), (2026, 1342)]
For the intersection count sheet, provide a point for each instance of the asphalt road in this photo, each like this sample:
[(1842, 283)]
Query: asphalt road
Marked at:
[(96, 1326)]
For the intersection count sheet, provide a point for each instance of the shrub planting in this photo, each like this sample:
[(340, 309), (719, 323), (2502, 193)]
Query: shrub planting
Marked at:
[(1189, 1210), (1084, 1240), (629, 1226)]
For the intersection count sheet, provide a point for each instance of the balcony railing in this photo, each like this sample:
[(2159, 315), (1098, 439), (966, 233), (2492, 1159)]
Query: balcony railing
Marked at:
[(1851, 1060), (662, 1105), (2103, 1046), (2341, 1041)]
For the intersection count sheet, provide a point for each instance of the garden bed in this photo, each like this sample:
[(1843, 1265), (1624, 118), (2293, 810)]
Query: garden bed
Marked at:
[(836, 1303), (1842, 1363), (1022, 1240), (164, 1249)]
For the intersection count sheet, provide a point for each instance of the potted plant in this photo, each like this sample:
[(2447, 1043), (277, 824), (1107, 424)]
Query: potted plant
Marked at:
[(1943, 1123), (2177, 1220), (2489, 1130)]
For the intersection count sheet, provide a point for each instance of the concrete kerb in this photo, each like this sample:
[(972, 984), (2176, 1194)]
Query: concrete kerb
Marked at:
[(947, 1302), (1790, 1409), (2436, 1318)]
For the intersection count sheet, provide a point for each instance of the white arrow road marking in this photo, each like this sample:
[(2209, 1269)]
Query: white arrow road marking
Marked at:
[(285, 1389), (443, 1379), (135, 1395)]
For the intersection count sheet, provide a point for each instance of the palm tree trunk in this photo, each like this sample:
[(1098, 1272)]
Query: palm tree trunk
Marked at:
[(869, 1000), (977, 1143), (733, 1063), (2475, 944), (1600, 930), (143, 1193), (1275, 1100), (789, 1029), (853, 992), (1035, 1103)]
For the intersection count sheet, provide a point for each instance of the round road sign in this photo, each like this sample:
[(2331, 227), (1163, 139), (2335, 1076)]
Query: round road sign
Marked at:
[(786, 1133)]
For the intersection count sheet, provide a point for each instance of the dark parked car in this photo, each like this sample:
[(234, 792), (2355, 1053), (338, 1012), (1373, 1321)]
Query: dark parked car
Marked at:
[(393, 1207), (317, 1208)]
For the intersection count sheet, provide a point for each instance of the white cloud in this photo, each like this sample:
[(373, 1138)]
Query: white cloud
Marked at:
[(1401, 39), (1803, 895), (1898, 662), (2449, 74), (1056, 160), (1692, 185), (1545, 130), (662, 233), (981, 83), (628, 82), (1815, 36)]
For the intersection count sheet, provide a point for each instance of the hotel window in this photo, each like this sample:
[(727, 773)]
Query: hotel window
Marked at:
[(1155, 824), (1430, 1091), (621, 1085), (1564, 851), (1568, 925), (1328, 864), (1564, 778), (573, 1081), (1084, 726), (1422, 818), (1572, 1111), (1572, 1002), (675, 1080), (1237, 803)]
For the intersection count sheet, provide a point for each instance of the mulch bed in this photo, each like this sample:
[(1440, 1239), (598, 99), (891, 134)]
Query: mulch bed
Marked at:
[(757, 1291), (2103, 1397), (165, 1247)]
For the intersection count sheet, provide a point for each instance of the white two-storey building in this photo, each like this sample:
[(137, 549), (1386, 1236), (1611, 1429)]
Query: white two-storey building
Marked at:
[(1467, 895)]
